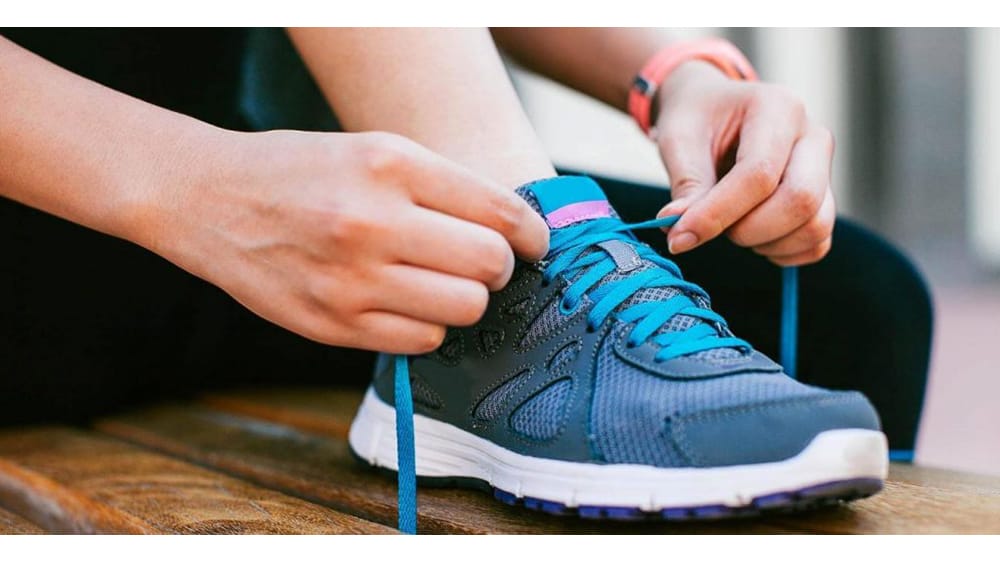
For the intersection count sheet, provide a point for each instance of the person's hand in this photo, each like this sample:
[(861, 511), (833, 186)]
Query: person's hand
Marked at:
[(363, 240), (744, 159)]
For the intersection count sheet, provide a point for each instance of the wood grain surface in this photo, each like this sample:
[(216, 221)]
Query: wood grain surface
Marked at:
[(68, 480), (318, 410), (321, 469), (315, 463), (12, 524), (277, 461)]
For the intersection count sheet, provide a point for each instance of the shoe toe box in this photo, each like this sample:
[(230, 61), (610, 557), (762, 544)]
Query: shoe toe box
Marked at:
[(769, 431)]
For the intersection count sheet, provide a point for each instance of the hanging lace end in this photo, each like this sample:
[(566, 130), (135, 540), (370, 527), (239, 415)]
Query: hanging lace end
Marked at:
[(789, 318), (405, 451)]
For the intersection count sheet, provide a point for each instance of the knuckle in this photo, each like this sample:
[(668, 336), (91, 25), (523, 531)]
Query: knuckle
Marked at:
[(828, 140), (473, 305), (671, 139), (797, 108), (344, 227), (507, 212), (493, 257), (763, 176), (337, 225), (428, 339), (818, 230), (802, 201), (739, 236), (812, 255), (706, 224), (786, 95), (685, 183), (384, 153), (817, 253), (318, 291), (319, 325)]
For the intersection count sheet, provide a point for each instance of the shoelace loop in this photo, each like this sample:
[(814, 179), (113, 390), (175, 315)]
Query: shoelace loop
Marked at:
[(568, 251), (568, 245)]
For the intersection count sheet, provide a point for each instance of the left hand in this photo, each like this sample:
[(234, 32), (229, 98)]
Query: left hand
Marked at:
[(774, 194)]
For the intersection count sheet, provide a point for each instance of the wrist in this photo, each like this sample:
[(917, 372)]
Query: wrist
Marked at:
[(162, 194), (649, 81), (685, 73)]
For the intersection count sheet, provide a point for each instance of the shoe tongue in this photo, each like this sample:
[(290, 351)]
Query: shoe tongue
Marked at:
[(567, 200)]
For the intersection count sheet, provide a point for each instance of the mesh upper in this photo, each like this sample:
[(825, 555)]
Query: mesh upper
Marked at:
[(423, 393), (632, 409), (493, 404), (542, 415)]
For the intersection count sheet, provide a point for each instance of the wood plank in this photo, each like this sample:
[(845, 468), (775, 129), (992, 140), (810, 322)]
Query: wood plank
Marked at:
[(916, 499), (12, 524), (69, 480), (321, 469), (325, 411)]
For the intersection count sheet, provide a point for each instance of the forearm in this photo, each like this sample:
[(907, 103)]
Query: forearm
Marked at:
[(444, 88), (600, 62), (91, 155)]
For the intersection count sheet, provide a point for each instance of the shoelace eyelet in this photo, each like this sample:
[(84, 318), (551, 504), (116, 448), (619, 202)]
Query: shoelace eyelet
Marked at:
[(567, 308)]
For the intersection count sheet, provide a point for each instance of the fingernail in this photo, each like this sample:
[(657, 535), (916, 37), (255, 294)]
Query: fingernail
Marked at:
[(682, 242)]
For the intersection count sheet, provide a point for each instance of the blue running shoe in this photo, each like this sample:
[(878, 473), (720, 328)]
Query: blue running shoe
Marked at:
[(600, 383)]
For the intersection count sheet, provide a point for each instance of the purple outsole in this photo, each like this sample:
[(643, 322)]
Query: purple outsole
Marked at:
[(829, 493)]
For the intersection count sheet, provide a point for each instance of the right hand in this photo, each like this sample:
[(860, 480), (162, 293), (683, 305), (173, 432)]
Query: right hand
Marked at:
[(363, 240)]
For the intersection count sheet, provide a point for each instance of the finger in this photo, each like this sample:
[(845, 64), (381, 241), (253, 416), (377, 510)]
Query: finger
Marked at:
[(440, 184), (431, 296), (394, 333), (686, 148), (767, 136), (450, 245), (807, 236), (799, 196), (807, 257)]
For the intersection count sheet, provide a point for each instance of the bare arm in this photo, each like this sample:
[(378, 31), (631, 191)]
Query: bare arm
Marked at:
[(444, 88), (304, 229), (598, 61), (89, 154)]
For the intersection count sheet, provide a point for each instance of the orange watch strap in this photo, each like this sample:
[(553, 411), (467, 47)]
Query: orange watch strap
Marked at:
[(717, 51)]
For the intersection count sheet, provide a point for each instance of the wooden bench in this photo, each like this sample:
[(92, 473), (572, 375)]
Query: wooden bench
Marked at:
[(277, 461)]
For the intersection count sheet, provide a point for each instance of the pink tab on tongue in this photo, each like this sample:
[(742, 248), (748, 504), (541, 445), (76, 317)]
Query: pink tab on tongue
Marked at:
[(566, 200), (576, 212)]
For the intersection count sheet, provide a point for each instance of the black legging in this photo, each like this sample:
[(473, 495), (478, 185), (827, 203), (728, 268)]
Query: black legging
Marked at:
[(90, 324)]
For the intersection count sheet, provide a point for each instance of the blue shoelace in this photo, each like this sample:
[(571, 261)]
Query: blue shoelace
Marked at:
[(569, 246)]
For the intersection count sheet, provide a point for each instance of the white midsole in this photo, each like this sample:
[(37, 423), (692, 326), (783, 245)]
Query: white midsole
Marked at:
[(447, 451)]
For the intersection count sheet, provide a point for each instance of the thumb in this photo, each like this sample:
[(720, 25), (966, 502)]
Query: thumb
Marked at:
[(688, 159)]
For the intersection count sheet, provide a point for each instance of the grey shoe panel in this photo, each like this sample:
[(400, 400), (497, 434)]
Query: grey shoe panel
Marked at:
[(476, 376), (768, 432)]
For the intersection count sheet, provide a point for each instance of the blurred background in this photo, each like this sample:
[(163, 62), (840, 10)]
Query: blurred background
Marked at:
[(918, 160)]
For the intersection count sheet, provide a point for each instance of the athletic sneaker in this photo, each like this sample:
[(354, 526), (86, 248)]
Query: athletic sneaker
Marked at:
[(600, 383)]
